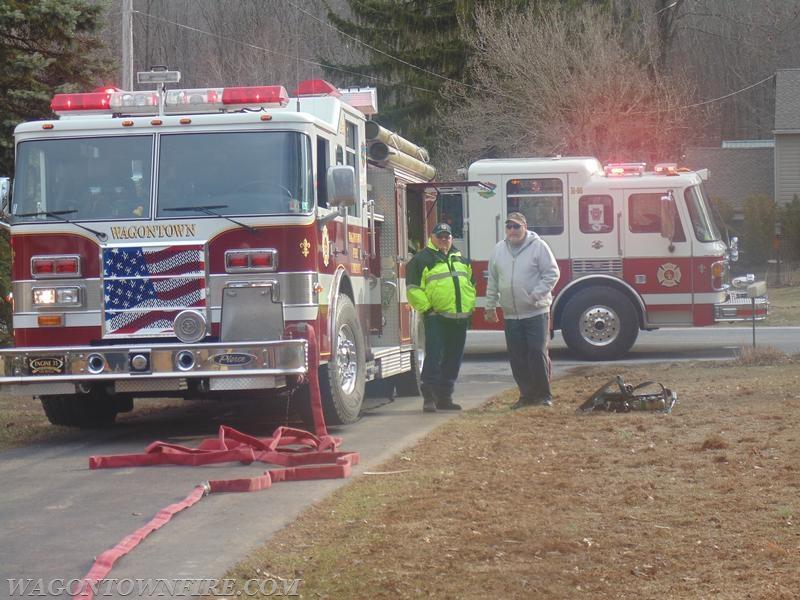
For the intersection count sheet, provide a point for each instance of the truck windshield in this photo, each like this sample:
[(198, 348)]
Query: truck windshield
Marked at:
[(84, 178), (104, 178), (705, 229), (238, 173)]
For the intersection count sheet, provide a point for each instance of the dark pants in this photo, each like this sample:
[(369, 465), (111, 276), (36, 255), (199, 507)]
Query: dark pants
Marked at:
[(444, 349), (527, 340)]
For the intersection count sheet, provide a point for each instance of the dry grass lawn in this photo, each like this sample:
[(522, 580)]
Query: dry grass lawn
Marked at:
[(546, 503)]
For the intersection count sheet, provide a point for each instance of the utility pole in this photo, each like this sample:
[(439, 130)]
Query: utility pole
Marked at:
[(127, 44)]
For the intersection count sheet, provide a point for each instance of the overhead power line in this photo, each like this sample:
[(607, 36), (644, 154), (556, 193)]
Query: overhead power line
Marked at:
[(406, 63), (275, 52), (396, 58), (378, 50), (726, 96)]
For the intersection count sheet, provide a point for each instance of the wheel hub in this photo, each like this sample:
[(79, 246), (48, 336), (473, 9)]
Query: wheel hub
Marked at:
[(599, 326), (346, 359)]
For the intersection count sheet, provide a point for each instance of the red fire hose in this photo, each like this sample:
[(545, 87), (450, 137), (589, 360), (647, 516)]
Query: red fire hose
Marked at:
[(302, 455)]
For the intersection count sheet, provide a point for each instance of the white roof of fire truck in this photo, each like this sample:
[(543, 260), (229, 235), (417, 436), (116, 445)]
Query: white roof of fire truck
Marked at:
[(314, 101), (589, 171)]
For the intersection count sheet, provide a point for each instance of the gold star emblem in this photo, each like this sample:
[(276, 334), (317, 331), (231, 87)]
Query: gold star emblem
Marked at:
[(305, 246)]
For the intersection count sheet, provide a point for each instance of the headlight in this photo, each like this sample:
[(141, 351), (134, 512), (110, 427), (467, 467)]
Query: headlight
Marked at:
[(57, 296), (719, 275)]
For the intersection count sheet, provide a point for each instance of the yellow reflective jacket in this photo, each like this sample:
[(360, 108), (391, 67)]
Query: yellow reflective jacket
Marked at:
[(441, 282)]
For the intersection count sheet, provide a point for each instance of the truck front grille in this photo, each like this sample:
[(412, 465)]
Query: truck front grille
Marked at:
[(145, 287)]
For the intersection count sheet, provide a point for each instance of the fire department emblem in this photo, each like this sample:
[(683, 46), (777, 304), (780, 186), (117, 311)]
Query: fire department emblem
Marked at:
[(669, 275), (305, 246), (326, 246)]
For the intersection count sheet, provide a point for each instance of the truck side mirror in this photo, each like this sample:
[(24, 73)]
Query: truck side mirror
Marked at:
[(668, 213), (733, 249), (342, 186), (5, 199)]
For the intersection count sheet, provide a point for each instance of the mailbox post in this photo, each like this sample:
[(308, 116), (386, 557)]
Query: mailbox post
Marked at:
[(754, 290)]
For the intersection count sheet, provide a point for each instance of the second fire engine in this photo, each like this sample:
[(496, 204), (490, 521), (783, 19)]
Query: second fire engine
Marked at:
[(637, 249)]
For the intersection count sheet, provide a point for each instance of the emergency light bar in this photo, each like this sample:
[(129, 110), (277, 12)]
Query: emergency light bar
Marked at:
[(91, 103), (666, 169), (316, 87), (176, 101), (623, 169)]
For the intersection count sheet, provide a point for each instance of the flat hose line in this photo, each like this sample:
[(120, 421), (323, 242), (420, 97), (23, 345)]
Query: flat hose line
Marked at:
[(303, 456)]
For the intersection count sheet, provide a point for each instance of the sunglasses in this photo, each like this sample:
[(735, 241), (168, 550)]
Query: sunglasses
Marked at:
[(513, 225)]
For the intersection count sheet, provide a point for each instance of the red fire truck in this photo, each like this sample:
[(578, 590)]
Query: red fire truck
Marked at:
[(636, 249), (173, 242)]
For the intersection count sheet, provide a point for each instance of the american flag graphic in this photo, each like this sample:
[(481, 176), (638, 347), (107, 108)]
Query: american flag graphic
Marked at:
[(146, 287)]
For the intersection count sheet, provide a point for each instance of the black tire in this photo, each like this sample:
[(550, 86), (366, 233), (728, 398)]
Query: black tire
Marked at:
[(599, 323), (381, 388), (341, 381), (408, 384), (87, 411), (124, 404)]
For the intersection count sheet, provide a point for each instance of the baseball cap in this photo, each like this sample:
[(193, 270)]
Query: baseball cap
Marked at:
[(517, 218), (442, 228)]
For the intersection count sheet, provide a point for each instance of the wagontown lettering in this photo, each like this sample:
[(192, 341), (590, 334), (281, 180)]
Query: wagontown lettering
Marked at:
[(183, 230)]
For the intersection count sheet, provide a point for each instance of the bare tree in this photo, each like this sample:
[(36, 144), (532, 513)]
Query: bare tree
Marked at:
[(555, 82), (732, 44), (235, 42)]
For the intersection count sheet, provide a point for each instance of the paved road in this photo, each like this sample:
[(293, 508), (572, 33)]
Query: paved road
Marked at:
[(57, 515), (486, 350)]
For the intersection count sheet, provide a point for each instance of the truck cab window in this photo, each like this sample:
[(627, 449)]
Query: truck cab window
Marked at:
[(242, 173), (450, 210), (351, 156), (596, 214), (323, 160), (644, 215), (540, 200), (92, 178)]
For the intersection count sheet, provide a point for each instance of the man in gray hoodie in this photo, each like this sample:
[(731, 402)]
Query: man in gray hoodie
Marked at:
[(522, 275)]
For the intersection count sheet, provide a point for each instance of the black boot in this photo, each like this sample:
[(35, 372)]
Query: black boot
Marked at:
[(444, 401), (428, 397)]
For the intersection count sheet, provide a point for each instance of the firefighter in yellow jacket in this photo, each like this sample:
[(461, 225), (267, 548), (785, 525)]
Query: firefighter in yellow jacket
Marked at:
[(441, 287)]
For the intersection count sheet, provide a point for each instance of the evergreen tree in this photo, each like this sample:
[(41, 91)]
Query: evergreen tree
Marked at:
[(45, 46), (420, 33)]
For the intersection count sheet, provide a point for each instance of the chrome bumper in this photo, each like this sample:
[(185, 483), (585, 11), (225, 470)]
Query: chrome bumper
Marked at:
[(30, 368), (738, 307)]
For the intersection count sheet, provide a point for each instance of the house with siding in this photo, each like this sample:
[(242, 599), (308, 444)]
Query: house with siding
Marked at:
[(787, 135), (737, 170), (743, 168)]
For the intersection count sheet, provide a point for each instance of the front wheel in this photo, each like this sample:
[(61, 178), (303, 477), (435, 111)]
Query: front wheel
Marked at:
[(600, 323), (342, 380), (93, 410)]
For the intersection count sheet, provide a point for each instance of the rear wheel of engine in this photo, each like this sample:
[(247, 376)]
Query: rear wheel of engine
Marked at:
[(87, 411), (408, 384), (600, 323), (342, 380)]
